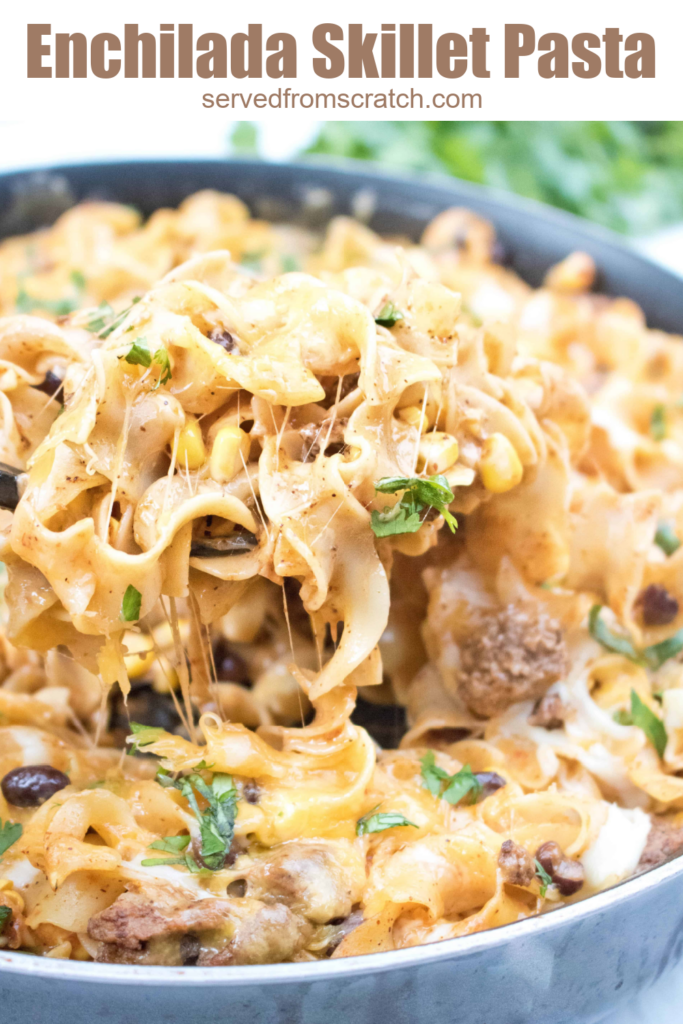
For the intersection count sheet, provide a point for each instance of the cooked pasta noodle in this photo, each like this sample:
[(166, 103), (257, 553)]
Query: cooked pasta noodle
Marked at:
[(274, 486)]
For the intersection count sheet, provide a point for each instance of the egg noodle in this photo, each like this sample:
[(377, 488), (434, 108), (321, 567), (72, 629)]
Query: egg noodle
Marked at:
[(265, 472)]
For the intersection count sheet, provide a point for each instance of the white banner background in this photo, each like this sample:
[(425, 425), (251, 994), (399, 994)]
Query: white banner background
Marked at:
[(75, 105)]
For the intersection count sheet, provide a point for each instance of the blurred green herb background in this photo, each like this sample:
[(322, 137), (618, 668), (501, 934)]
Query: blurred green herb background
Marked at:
[(627, 175)]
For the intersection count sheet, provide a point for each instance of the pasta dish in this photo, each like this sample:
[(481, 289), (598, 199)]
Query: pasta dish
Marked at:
[(343, 596)]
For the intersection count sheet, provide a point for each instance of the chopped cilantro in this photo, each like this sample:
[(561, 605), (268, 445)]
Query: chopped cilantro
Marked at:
[(656, 654), (26, 303), (216, 822), (647, 720), (5, 915), (666, 538), (104, 313), (252, 260), (389, 315), (392, 521), (452, 788), (609, 640), (543, 877), (652, 657), (139, 354), (171, 844), (432, 775), (372, 822), (623, 717), (130, 606), (658, 422), (288, 263), (462, 783), (163, 360), (78, 279), (144, 735), (111, 319), (418, 494), (9, 833)]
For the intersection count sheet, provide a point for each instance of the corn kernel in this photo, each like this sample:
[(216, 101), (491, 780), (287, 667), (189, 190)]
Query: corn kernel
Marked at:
[(414, 415), (191, 452), (60, 952), (230, 447), (499, 465), (164, 676), (437, 452), (140, 655)]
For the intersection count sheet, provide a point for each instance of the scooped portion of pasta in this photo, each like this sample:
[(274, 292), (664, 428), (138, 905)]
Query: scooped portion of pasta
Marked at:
[(343, 594)]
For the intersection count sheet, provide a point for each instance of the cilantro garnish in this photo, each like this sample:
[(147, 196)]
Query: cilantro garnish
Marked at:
[(658, 422), (26, 303), (216, 822), (288, 263), (162, 358), (452, 788), (372, 822), (543, 877), (666, 538), (5, 915), (252, 260), (130, 606), (418, 494), (652, 657), (389, 315), (643, 717), (656, 654), (144, 735), (103, 316), (108, 320), (139, 355), (9, 833), (171, 844), (609, 640), (623, 717)]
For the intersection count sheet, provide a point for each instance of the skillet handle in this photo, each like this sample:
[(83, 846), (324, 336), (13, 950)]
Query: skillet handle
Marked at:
[(10, 486)]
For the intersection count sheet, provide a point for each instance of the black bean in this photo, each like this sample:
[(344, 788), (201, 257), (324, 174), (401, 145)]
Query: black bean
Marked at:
[(190, 948), (238, 887), (569, 877), (251, 791), (50, 385), (345, 926), (239, 542), (32, 785), (489, 782), (565, 873), (238, 846), (549, 856), (230, 667), (224, 339), (548, 712), (499, 254), (386, 723), (145, 705), (658, 606)]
